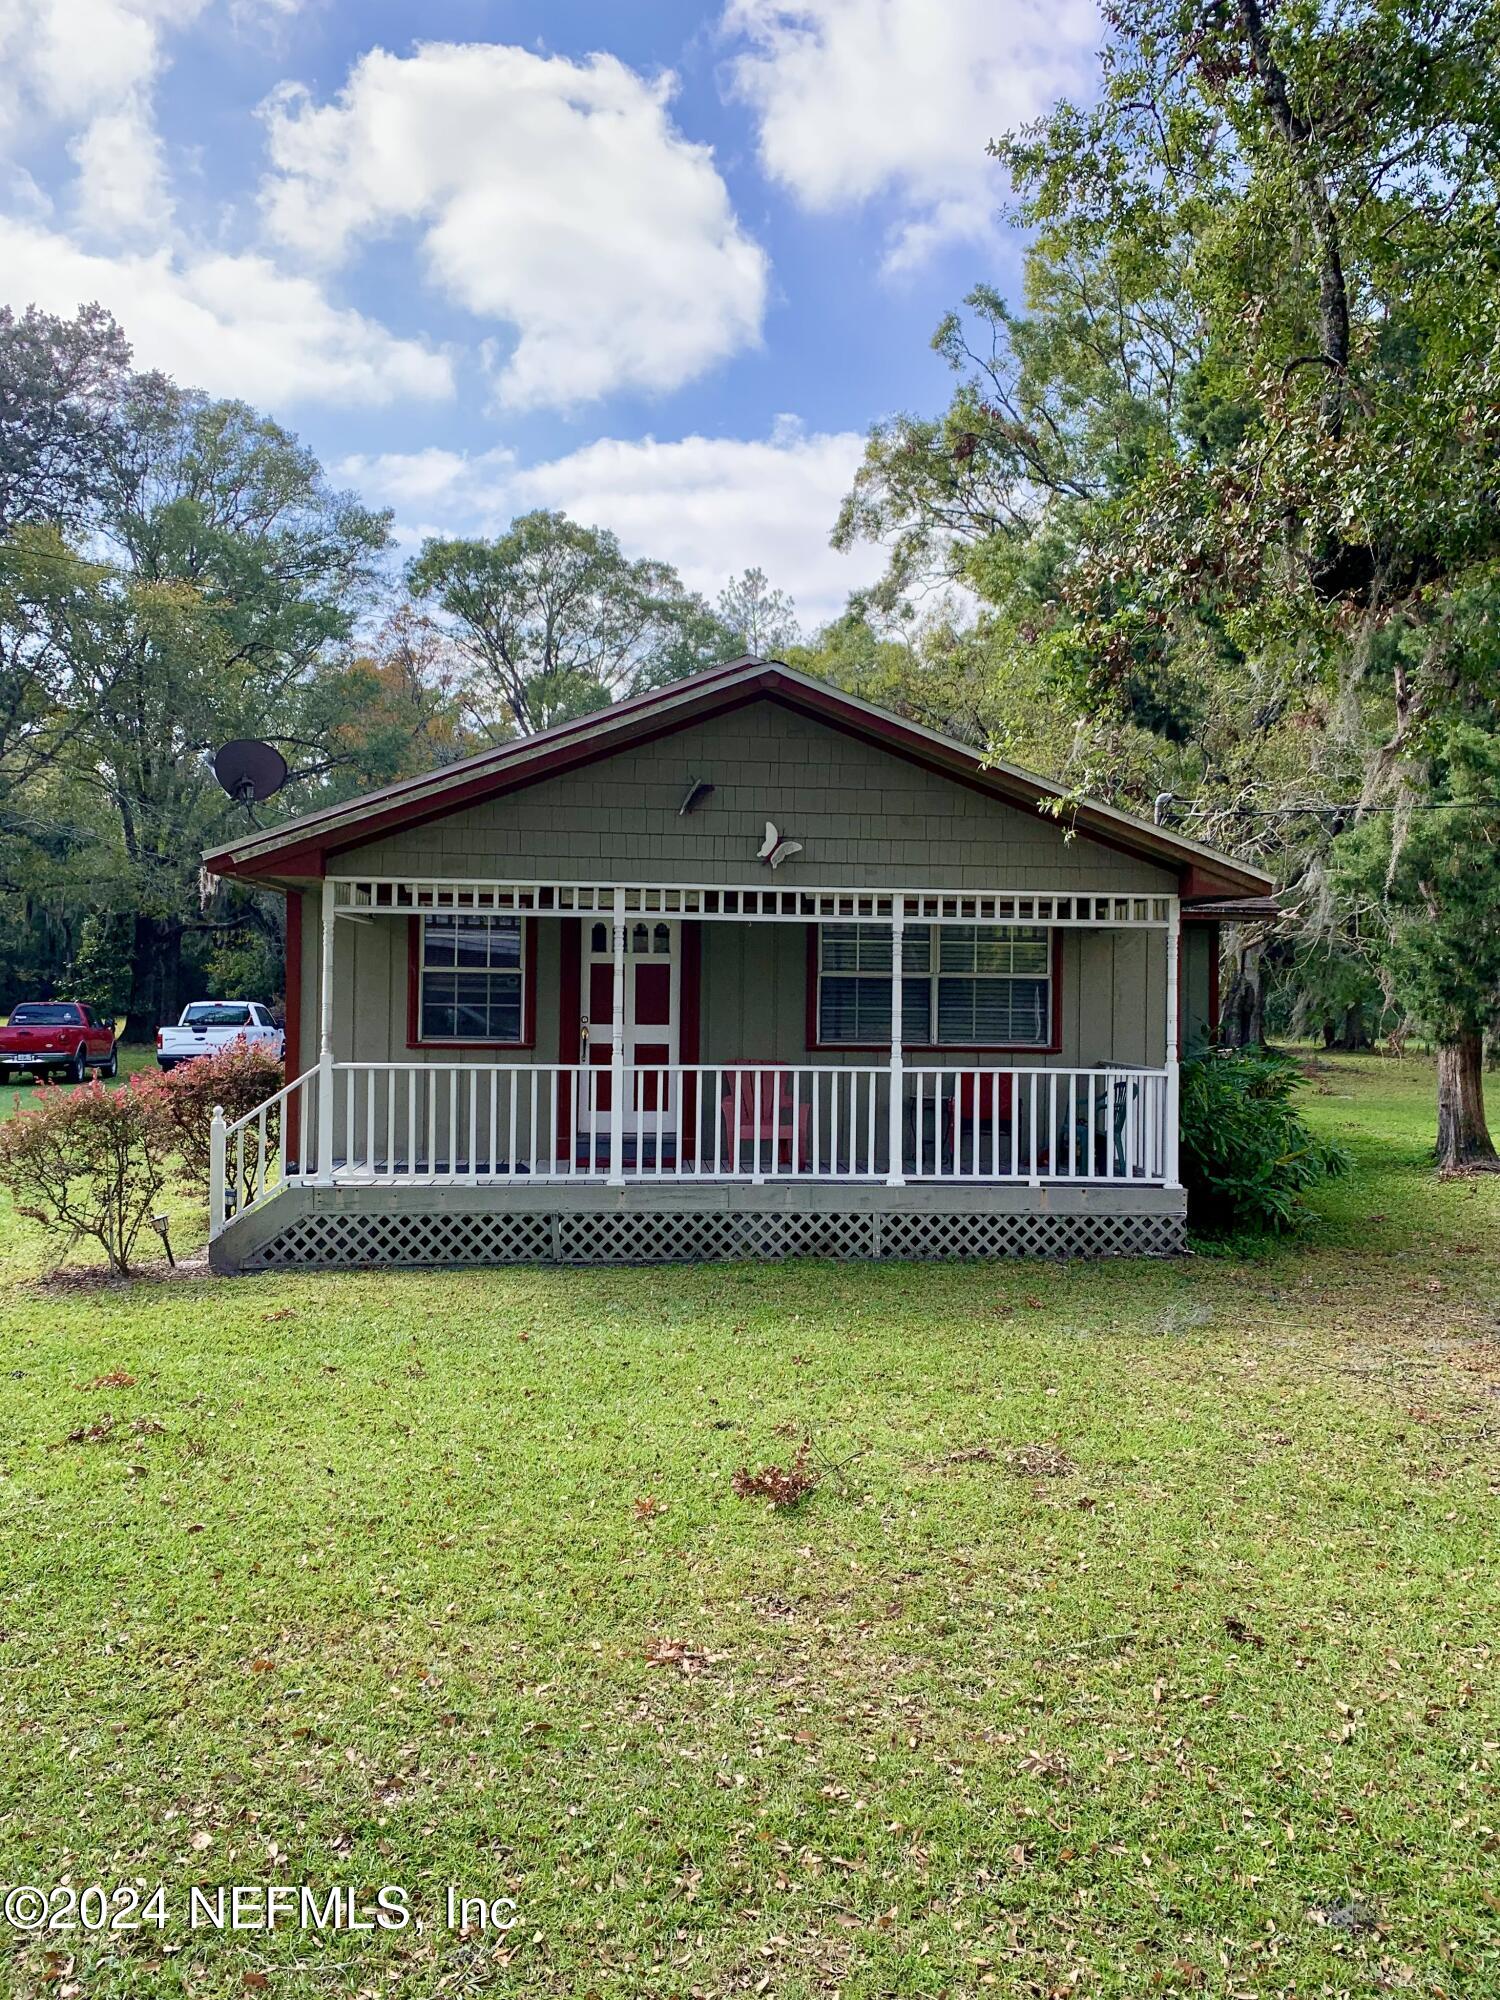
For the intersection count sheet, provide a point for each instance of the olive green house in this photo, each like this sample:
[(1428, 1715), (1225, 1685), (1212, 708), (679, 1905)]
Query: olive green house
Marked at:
[(742, 967)]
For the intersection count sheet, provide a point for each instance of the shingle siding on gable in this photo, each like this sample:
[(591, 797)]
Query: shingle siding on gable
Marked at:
[(866, 819)]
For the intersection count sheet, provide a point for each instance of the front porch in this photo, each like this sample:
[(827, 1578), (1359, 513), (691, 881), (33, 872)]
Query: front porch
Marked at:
[(632, 1153)]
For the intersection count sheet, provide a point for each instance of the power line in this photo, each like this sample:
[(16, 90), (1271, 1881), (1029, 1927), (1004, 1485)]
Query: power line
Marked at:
[(19, 555), (1348, 807)]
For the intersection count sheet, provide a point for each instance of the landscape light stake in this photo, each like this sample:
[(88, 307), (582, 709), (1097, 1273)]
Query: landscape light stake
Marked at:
[(161, 1224)]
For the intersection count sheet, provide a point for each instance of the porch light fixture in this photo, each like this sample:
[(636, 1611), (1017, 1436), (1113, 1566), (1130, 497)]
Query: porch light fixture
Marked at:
[(773, 850)]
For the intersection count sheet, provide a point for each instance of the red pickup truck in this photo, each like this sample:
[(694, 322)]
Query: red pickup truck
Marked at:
[(57, 1034)]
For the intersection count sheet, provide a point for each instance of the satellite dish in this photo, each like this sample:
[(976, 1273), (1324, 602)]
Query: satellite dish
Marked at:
[(249, 771)]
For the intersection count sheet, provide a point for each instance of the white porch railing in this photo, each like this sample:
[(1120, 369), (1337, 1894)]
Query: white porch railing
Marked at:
[(472, 1124), (252, 1157)]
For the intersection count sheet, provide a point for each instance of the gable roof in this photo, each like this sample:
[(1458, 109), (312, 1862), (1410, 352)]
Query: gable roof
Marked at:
[(299, 847)]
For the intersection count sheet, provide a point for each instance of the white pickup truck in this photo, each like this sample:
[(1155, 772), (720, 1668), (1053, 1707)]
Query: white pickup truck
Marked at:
[(207, 1026)]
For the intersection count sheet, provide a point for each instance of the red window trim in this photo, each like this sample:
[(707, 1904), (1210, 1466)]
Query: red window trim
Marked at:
[(939, 1049), (414, 1039)]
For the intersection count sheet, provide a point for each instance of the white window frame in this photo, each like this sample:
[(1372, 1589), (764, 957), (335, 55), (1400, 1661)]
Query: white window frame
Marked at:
[(454, 921), (934, 975)]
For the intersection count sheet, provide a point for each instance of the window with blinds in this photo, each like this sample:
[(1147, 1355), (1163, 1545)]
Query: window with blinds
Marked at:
[(472, 977), (962, 985)]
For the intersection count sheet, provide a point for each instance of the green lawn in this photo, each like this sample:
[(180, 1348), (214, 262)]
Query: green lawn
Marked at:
[(352, 1585)]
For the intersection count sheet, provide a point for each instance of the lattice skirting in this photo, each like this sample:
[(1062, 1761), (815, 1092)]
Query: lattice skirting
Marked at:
[(333, 1239)]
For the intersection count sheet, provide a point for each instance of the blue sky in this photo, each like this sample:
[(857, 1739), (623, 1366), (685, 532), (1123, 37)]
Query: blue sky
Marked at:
[(658, 264)]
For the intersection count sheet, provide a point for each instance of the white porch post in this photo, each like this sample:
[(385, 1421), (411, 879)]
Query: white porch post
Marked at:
[(325, 1042), (617, 1053), (1174, 929), (217, 1174), (895, 1177)]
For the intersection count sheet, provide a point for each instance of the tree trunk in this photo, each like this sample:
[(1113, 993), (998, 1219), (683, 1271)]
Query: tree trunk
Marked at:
[(1297, 135), (1353, 1035), (1242, 1023), (155, 978), (1463, 1138)]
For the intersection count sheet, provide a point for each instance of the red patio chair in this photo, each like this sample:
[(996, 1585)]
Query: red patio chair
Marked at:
[(773, 1132), (978, 1101)]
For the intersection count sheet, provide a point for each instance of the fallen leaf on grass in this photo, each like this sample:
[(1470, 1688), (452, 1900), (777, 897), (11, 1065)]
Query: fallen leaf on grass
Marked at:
[(1040, 1764), (647, 1507), (94, 1433), (117, 1378), (1241, 1633), (200, 1842), (676, 1653), (783, 1485), (1041, 1461)]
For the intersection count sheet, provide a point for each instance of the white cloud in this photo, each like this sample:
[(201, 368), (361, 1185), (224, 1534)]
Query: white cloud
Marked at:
[(232, 324), (711, 506), (454, 491), (90, 66), (863, 98), (556, 197)]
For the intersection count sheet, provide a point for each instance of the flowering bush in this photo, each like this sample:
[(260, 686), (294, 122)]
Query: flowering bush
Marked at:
[(89, 1160), (240, 1076)]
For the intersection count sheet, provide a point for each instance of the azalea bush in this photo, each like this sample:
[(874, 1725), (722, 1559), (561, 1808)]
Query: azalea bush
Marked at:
[(1246, 1155), (240, 1077), (89, 1161)]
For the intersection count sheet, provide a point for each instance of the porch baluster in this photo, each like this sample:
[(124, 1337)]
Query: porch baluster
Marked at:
[(1054, 1151), (895, 1177)]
